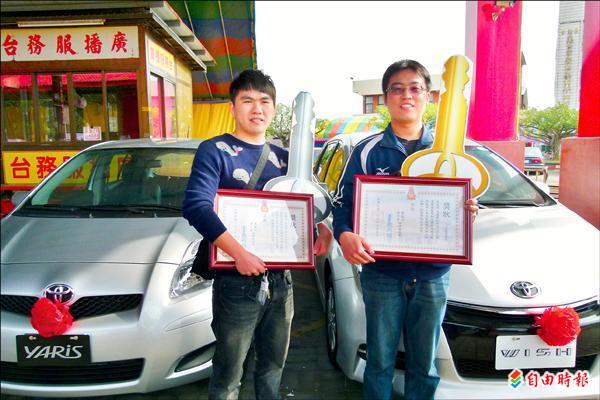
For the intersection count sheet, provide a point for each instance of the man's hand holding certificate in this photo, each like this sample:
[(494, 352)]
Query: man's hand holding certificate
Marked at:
[(275, 227)]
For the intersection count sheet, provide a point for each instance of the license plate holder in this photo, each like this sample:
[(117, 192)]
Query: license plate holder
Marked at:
[(64, 350), (531, 352)]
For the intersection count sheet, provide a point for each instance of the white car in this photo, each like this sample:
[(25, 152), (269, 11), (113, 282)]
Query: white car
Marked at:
[(104, 235), (529, 253)]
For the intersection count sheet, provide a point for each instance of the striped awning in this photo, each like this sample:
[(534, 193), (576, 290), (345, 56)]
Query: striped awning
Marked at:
[(226, 29), (360, 123)]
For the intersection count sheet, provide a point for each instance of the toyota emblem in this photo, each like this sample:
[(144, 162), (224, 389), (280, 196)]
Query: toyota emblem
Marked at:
[(525, 290), (59, 292)]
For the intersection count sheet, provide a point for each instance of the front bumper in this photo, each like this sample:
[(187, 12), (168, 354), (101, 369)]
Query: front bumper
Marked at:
[(465, 357), (160, 344)]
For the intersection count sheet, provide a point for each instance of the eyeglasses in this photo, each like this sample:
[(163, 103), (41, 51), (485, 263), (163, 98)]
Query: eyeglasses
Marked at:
[(398, 90)]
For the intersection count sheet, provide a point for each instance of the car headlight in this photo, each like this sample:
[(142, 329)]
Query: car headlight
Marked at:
[(184, 280)]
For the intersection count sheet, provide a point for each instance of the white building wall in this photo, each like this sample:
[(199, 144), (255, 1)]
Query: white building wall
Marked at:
[(569, 53)]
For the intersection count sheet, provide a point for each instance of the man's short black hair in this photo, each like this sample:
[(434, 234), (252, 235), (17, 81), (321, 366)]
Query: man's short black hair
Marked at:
[(252, 79), (401, 66)]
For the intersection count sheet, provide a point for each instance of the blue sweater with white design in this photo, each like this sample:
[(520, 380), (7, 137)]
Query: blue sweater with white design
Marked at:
[(381, 154), (224, 162)]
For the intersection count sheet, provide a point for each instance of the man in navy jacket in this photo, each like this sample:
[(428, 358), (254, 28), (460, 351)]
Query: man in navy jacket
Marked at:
[(400, 296)]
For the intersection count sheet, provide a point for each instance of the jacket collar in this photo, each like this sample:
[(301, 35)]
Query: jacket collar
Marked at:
[(392, 141)]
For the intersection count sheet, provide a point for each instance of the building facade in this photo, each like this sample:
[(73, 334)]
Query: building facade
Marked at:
[(372, 94), (568, 53), (94, 72)]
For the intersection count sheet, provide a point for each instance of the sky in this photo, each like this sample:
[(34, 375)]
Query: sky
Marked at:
[(320, 47)]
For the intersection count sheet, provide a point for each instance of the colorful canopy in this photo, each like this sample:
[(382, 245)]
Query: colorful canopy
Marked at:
[(226, 29), (360, 123)]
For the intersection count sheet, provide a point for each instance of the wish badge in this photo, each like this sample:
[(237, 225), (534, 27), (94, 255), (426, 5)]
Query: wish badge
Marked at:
[(447, 157)]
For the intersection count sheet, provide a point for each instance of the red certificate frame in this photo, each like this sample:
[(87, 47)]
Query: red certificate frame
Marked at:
[(401, 214), (278, 223)]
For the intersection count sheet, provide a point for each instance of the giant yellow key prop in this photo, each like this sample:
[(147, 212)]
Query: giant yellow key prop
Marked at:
[(447, 157)]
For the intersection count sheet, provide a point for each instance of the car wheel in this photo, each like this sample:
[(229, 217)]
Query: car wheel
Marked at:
[(331, 321)]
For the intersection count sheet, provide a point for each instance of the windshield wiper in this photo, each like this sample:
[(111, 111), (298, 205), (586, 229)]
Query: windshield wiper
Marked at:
[(151, 207), (132, 208), (108, 208), (510, 203), (50, 207)]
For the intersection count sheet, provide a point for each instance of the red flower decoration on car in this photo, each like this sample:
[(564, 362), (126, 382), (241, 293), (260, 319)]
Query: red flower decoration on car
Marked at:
[(50, 319), (558, 326)]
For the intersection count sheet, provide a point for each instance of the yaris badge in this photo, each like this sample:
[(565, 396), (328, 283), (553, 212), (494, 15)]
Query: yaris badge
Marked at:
[(524, 289), (59, 292)]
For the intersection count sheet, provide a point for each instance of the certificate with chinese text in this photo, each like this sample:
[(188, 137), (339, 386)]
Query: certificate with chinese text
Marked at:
[(418, 219), (276, 227)]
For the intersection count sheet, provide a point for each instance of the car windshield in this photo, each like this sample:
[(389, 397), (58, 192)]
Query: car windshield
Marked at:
[(143, 182), (533, 152), (508, 187)]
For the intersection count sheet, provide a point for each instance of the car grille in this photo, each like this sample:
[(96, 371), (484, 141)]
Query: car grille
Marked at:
[(84, 307), (94, 373), (471, 335)]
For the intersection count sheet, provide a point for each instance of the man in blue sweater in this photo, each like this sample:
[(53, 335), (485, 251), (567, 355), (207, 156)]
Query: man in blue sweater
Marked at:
[(400, 297), (239, 318)]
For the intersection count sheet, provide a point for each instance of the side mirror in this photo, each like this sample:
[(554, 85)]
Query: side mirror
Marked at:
[(18, 197), (542, 185)]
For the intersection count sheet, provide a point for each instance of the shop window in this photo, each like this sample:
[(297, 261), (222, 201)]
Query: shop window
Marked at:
[(17, 108), (156, 104), (163, 106), (88, 106), (368, 104), (170, 110), (53, 107), (122, 99), (69, 107)]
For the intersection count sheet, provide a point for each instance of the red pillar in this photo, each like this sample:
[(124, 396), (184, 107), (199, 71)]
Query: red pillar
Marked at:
[(493, 43), (589, 100), (580, 156)]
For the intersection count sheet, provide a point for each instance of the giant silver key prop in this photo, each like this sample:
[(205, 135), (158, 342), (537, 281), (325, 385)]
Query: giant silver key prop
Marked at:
[(299, 178)]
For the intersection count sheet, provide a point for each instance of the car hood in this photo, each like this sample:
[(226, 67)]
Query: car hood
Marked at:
[(549, 246), (95, 240)]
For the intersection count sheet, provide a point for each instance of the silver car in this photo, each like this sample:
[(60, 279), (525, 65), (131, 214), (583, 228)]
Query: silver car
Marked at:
[(529, 251), (104, 235)]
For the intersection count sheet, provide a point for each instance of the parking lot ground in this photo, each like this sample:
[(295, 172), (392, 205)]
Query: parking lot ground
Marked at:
[(308, 374)]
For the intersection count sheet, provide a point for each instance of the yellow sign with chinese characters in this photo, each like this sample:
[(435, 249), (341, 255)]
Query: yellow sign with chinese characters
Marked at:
[(160, 58), (30, 167)]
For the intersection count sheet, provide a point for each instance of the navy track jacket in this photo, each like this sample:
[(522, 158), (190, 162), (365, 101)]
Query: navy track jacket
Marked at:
[(380, 154)]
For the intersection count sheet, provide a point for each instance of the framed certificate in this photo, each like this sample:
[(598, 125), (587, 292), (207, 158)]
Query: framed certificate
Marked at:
[(417, 219), (276, 227)]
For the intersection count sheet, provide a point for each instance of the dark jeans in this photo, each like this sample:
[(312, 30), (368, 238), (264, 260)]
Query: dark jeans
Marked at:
[(240, 320), (412, 308)]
